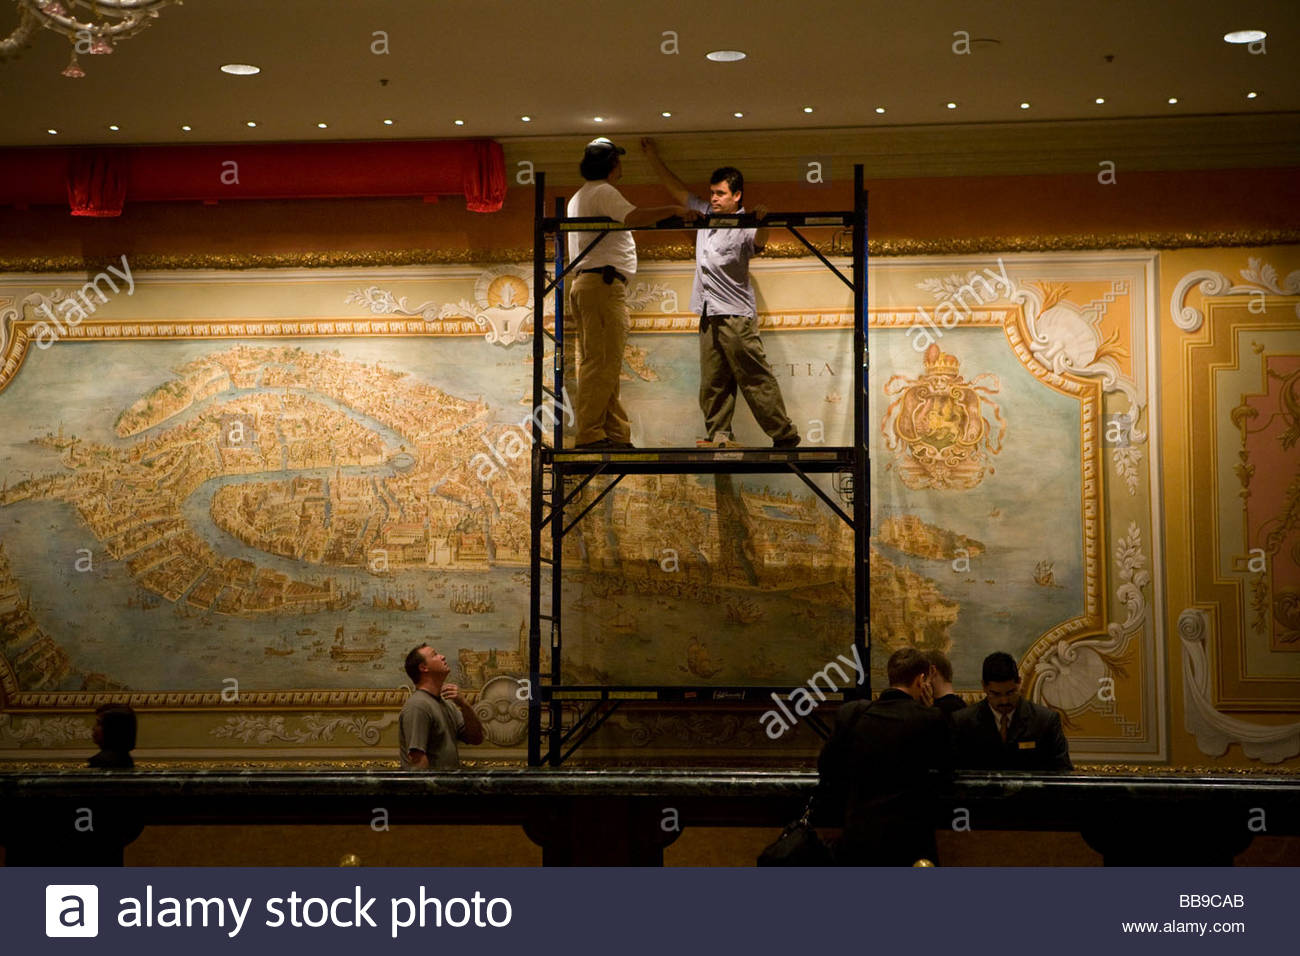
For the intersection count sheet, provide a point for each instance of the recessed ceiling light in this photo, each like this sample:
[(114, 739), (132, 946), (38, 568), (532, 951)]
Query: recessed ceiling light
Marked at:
[(1099, 100), (1173, 100), (114, 127), (1024, 106), (665, 114), (52, 132), (459, 122), (186, 129), (880, 109), (598, 119), (738, 115), (807, 109), (725, 56), (322, 126), (1251, 95), (241, 69), (525, 119), (250, 124), (388, 122), (952, 106), (1244, 36)]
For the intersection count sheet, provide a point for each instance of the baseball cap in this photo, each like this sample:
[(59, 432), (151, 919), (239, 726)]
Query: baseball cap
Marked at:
[(603, 144)]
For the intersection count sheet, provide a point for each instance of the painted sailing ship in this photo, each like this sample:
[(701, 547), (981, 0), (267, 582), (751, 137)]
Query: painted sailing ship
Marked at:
[(744, 611), (1044, 575), (471, 600), (407, 602), (340, 600), (281, 649), (698, 661), (352, 652), (621, 623)]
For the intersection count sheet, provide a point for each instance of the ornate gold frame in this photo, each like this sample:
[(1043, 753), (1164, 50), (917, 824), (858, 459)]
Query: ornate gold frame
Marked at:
[(974, 245)]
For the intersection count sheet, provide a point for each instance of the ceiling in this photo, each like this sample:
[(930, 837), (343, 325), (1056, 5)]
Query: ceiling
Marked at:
[(564, 62)]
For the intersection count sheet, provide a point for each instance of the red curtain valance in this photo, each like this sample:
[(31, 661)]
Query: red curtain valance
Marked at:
[(97, 181)]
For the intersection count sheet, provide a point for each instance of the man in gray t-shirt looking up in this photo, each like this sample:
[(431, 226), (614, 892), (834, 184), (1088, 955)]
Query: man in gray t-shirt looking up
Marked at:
[(435, 715), (731, 352)]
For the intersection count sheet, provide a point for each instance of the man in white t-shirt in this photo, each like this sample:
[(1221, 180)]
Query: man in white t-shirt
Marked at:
[(598, 294)]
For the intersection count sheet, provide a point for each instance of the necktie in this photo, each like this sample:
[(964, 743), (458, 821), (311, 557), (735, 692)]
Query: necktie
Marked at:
[(1004, 724)]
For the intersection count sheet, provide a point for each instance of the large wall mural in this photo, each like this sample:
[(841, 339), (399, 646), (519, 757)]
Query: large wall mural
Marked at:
[(239, 498)]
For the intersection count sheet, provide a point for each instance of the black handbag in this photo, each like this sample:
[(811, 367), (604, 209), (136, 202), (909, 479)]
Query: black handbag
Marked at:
[(798, 845)]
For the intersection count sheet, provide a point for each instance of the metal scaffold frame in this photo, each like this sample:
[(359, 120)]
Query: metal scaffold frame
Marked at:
[(560, 475)]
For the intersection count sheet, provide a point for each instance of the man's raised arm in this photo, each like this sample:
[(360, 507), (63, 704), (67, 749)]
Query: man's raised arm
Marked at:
[(674, 185)]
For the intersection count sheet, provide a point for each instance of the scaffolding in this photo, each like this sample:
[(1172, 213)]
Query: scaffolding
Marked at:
[(560, 475)]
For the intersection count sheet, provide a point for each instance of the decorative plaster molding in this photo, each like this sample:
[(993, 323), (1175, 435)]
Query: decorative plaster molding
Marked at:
[(92, 330), (503, 293), (7, 316), (502, 712), (315, 728), (382, 302), (1126, 461), (643, 294), (45, 731), (1067, 340), (1214, 731), (197, 700), (1260, 278), (675, 252)]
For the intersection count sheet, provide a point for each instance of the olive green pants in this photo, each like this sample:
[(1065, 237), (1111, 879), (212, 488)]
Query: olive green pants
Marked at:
[(731, 358)]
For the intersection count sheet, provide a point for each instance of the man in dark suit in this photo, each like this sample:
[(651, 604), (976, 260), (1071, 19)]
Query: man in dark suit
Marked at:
[(941, 683), (1006, 732), (879, 769)]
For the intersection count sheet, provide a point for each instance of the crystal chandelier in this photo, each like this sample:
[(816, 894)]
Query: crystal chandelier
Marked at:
[(93, 27)]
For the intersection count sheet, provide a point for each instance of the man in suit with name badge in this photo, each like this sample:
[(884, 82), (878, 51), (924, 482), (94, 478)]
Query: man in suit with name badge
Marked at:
[(1006, 732)]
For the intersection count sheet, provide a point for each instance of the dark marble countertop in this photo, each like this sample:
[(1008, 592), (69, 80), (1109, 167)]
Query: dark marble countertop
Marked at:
[(249, 793)]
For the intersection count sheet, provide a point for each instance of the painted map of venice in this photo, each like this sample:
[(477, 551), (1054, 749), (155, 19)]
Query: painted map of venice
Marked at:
[(298, 516)]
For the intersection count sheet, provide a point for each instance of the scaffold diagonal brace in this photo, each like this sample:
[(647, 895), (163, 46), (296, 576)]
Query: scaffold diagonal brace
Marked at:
[(597, 500), (821, 494), (570, 267), (817, 252)]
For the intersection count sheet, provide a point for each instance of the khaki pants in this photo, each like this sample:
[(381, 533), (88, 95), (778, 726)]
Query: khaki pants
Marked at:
[(731, 357), (601, 316)]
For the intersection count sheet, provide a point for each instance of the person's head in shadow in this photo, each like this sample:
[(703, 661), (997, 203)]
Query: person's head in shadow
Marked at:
[(115, 734)]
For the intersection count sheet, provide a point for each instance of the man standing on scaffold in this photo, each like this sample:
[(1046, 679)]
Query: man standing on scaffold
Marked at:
[(731, 352), (598, 294)]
